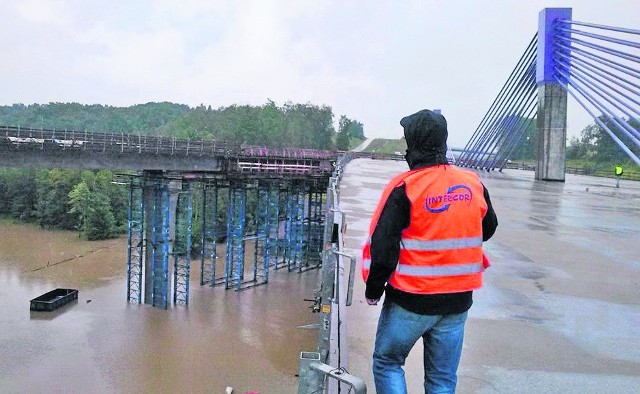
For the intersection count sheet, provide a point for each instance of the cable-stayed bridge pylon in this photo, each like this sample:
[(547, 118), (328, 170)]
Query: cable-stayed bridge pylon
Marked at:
[(597, 65)]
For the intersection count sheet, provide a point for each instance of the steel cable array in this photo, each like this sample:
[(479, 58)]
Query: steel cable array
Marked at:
[(599, 67), (508, 118)]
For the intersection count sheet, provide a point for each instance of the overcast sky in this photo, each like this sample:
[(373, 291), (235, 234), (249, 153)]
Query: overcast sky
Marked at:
[(373, 61)]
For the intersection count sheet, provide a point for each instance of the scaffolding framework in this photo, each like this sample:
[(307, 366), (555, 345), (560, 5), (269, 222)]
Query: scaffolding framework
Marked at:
[(160, 222), (274, 223), (264, 229), (280, 218), (314, 227), (296, 240), (135, 242), (181, 250), (236, 219), (210, 233)]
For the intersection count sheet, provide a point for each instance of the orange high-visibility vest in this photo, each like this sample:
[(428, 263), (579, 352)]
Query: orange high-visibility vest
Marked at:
[(441, 250)]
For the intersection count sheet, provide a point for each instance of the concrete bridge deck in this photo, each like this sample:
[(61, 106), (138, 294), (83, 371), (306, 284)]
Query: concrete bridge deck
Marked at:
[(560, 309)]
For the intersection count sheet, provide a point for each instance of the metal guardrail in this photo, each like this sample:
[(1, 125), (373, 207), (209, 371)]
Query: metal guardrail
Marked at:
[(325, 371), (578, 171)]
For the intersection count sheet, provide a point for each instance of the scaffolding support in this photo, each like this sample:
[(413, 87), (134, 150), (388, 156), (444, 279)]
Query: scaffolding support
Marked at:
[(284, 226), (281, 218), (296, 242), (263, 223), (210, 233), (236, 218), (135, 242), (160, 221), (274, 223), (181, 250), (314, 229)]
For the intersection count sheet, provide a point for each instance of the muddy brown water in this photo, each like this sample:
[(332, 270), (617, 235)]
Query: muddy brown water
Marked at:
[(248, 340)]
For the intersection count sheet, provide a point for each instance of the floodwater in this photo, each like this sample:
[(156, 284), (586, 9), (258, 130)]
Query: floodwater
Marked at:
[(249, 340)]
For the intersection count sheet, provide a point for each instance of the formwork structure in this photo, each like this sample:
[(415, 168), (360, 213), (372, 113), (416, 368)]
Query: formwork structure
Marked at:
[(263, 213)]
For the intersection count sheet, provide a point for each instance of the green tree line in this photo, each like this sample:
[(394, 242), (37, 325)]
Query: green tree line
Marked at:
[(593, 148), (88, 201)]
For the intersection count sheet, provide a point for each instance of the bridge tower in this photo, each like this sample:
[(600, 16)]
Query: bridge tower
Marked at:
[(552, 100)]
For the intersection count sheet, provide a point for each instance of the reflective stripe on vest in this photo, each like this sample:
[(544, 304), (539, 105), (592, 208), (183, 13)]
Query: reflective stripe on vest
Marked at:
[(439, 270), (442, 244)]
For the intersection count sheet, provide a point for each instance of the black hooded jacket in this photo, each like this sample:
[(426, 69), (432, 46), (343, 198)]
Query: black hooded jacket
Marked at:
[(426, 135)]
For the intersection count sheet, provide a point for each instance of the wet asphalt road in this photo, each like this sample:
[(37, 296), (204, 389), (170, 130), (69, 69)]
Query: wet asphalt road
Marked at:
[(560, 309)]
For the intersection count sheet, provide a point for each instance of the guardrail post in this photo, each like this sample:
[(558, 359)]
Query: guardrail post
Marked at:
[(312, 374), (309, 381)]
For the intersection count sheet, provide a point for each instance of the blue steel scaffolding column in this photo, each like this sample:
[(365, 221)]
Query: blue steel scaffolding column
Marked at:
[(160, 221), (135, 241), (314, 228), (264, 229), (211, 232), (284, 226), (236, 220), (296, 220), (181, 250), (274, 223)]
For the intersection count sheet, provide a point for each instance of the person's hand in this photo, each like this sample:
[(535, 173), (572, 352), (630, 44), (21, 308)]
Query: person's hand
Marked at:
[(372, 301)]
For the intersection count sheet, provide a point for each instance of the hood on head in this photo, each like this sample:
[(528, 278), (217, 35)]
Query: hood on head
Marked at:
[(426, 135)]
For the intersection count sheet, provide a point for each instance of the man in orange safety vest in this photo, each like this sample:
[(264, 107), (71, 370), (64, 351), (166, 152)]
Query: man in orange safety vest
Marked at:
[(424, 252)]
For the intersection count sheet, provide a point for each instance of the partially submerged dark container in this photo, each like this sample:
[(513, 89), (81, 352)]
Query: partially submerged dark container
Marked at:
[(53, 299)]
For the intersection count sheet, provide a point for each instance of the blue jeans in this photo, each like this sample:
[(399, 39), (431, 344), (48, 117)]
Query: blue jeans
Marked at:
[(399, 330)]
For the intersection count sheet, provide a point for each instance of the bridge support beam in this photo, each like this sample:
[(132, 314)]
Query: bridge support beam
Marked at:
[(552, 100)]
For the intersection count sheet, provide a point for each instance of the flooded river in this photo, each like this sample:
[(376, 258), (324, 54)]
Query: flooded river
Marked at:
[(247, 340)]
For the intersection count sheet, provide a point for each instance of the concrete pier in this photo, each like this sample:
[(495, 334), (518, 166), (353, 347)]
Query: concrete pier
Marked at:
[(552, 99), (552, 132), (559, 311)]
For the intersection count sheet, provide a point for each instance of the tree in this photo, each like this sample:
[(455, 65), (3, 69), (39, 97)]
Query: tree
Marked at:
[(80, 201), (597, 145), (343, 138), (52, 190), (100, 223)]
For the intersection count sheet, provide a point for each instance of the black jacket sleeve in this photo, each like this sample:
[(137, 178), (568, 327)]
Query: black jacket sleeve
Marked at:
[(385, 241), (490, 220)]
